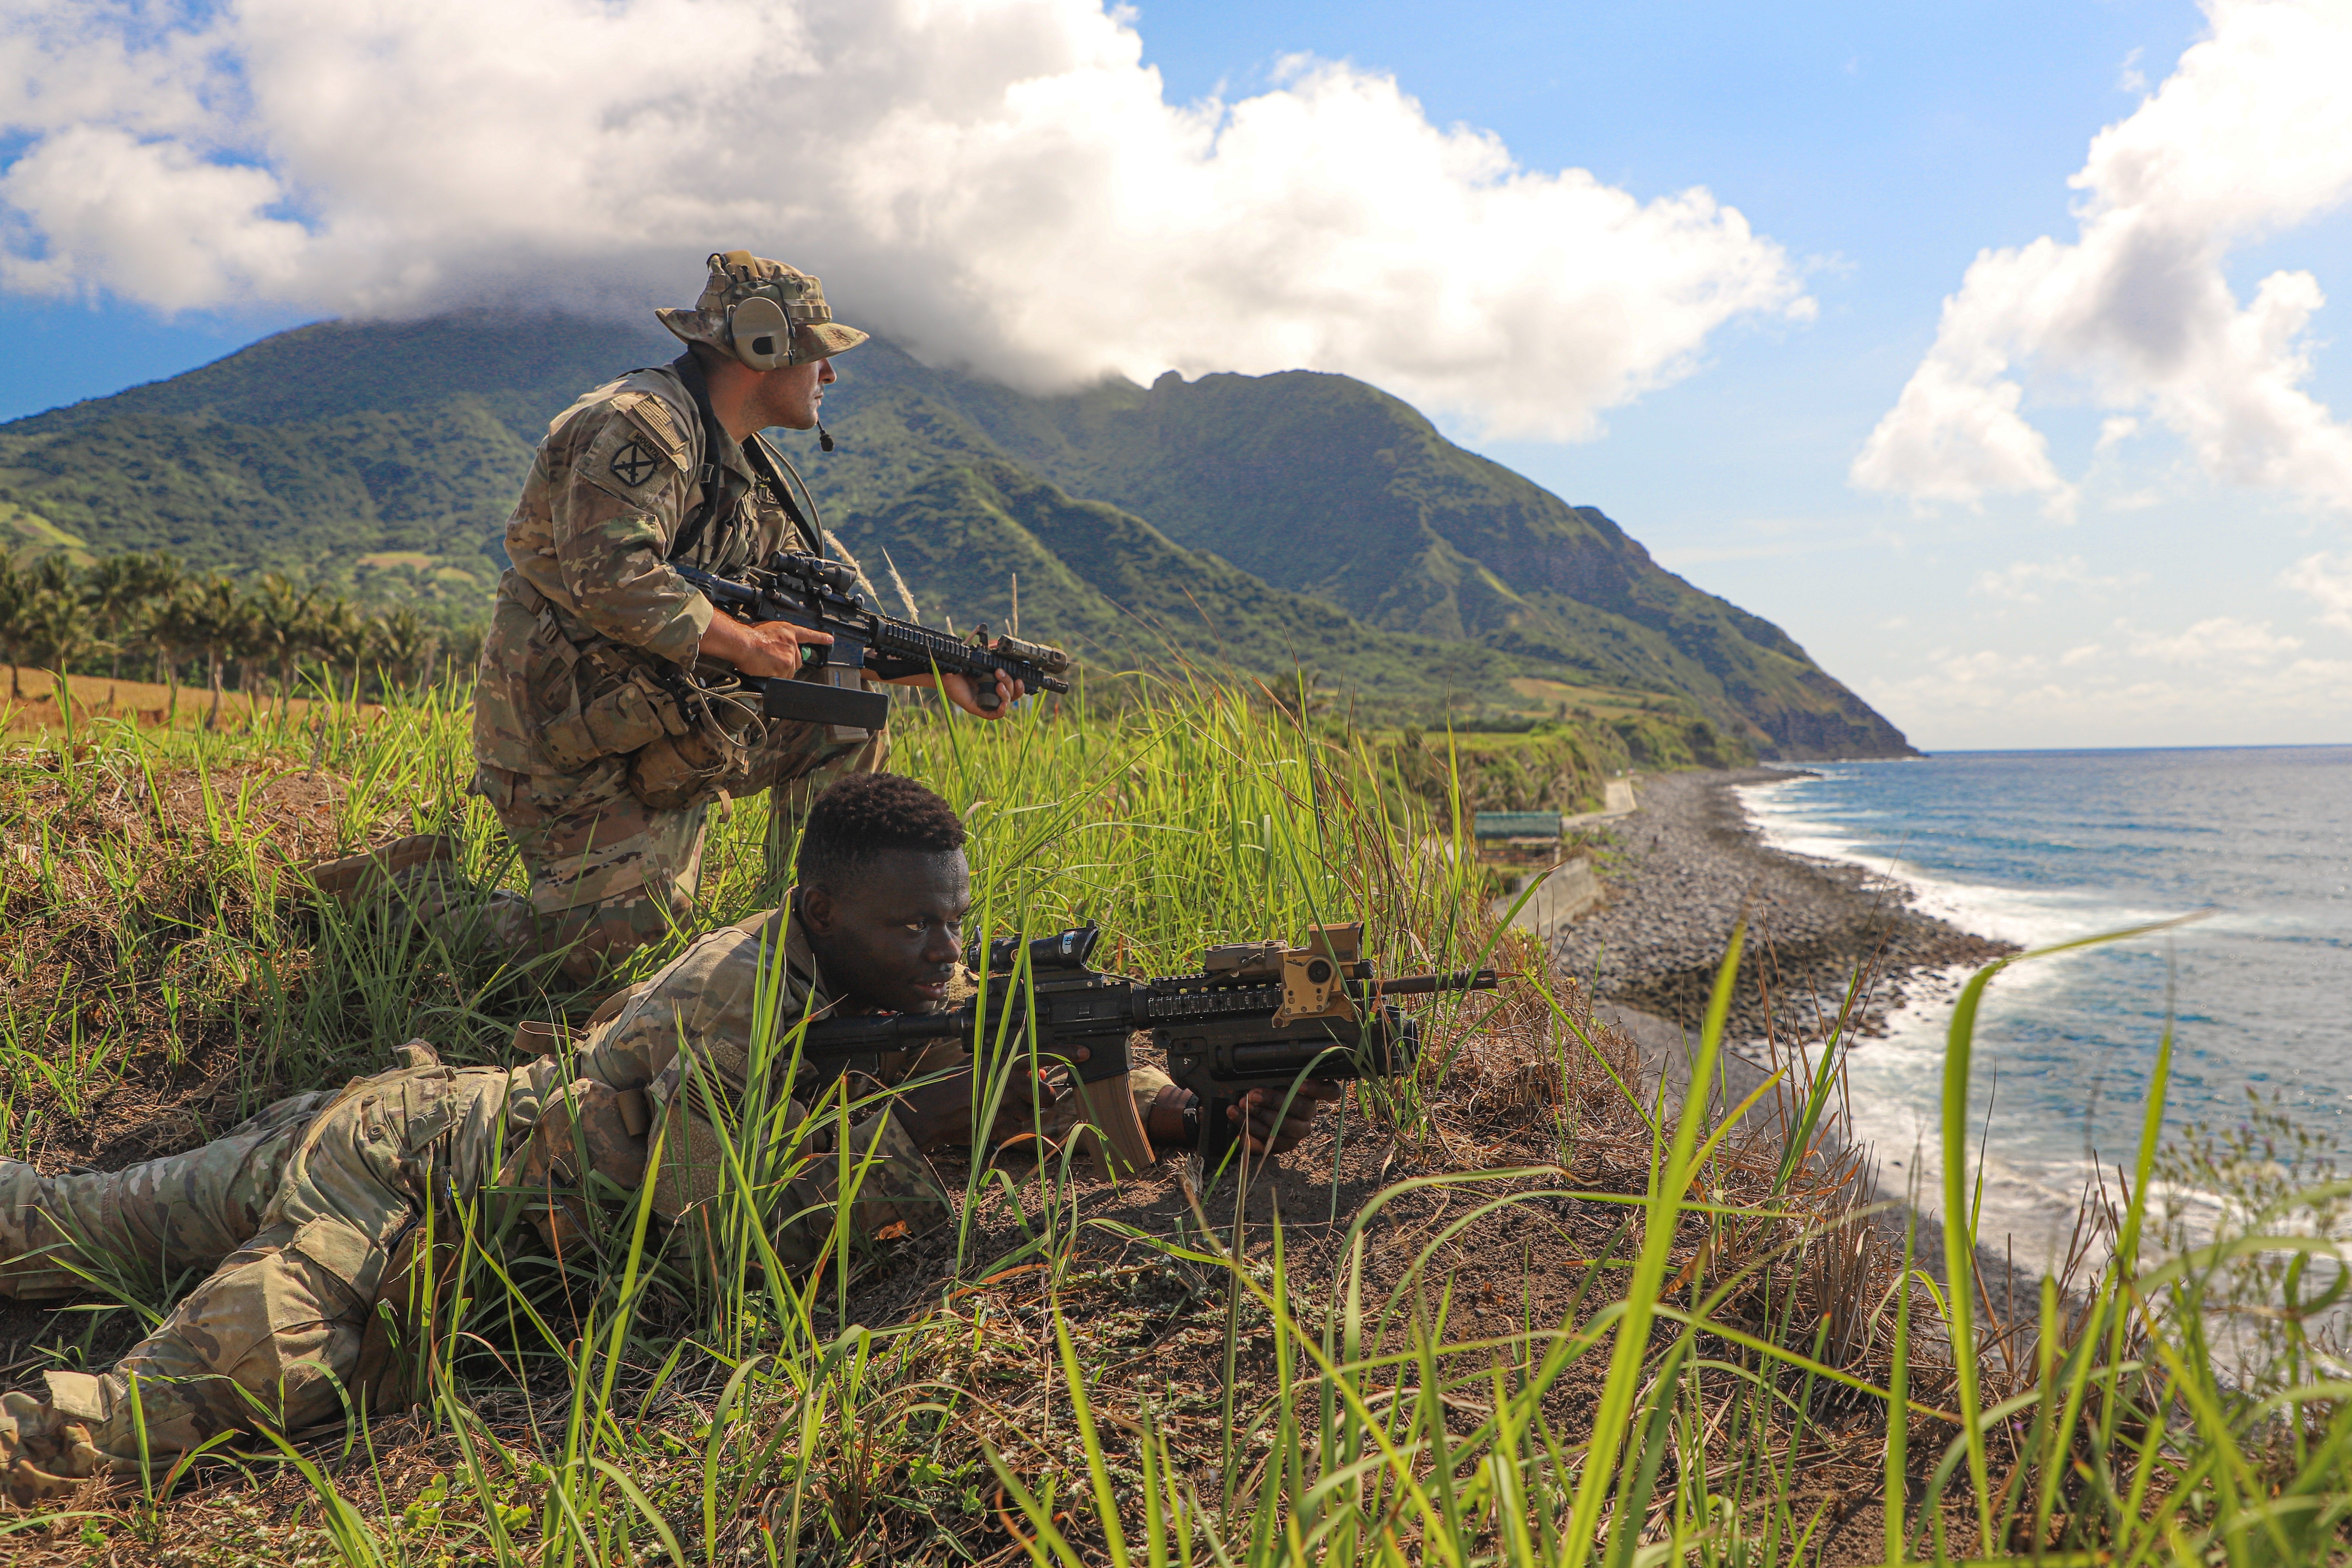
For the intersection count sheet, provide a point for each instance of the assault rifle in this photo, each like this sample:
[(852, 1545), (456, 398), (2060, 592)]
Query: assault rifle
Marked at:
[(1257, 1016), (823, 596)]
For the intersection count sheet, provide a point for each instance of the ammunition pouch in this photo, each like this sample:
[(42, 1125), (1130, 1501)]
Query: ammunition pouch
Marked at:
[(586, 1130), (676, 771), (609, 702), (625, 718)]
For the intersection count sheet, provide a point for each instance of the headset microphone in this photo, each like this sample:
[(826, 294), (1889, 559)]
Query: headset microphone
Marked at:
[(823, 441)]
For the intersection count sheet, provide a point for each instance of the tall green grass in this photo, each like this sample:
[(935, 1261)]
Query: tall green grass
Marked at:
[(1747, 1330)]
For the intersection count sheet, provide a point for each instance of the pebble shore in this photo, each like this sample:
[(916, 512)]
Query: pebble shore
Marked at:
[(1682, 869), (1678, 874)]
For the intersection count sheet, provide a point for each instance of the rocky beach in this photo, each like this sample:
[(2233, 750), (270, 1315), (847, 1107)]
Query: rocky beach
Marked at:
[(1687, 865), (1678, 874)]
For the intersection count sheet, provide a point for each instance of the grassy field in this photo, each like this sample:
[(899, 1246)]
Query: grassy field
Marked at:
[(1509, 1311)]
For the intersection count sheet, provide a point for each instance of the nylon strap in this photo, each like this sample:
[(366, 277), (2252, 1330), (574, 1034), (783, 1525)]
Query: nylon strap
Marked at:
[(712, 477)]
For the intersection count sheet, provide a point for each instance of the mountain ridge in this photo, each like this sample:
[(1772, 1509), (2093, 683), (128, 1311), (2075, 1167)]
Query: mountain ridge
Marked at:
[(1311, 517)]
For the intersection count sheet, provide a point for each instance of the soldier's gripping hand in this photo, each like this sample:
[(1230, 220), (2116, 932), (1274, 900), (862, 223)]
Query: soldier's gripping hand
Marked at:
[(770, 650), (1270, 1121), (1273, 1119), (958, 689)]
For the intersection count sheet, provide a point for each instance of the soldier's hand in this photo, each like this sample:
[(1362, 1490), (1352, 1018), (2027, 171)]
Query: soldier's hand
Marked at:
[(771, 651), (959, 689), (937, 1114), (1266, 1125)]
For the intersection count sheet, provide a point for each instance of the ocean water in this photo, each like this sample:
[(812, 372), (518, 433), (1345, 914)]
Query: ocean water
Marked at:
[(2041, 846)]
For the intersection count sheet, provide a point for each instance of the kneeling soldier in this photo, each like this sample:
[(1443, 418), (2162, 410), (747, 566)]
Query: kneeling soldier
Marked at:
[(314, 1213)]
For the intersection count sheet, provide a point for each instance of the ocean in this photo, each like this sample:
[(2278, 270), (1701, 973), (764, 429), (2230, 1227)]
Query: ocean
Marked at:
[(2040, 847)]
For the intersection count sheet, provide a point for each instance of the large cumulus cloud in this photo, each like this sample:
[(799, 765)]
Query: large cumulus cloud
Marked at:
[(999, 183), (2251, 135)]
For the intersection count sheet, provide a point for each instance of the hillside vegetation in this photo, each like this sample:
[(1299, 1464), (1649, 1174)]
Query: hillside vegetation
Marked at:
[(1277, 524), (1518, 1306)]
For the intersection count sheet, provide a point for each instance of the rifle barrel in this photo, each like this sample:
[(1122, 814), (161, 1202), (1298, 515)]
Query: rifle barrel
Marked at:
[(1428, 984)]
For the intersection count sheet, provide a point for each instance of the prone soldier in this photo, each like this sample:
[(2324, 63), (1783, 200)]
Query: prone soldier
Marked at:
[(312, 1218)]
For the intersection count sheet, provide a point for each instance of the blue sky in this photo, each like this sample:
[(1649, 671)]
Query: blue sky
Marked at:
[(2136, 593)]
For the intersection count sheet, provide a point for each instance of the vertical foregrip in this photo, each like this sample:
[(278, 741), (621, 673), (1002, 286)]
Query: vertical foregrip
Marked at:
[(1219, 1158)]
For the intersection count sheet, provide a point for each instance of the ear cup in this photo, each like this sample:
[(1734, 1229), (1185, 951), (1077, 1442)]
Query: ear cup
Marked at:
[(760, 333)]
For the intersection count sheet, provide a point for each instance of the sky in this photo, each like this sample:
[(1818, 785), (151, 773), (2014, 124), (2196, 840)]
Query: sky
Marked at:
[(1988, 350)]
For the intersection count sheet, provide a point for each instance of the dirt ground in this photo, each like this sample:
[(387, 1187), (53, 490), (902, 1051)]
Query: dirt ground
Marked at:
[(1153, 1327), (182, 1079)]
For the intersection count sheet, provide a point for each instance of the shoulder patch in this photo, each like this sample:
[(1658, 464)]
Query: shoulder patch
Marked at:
[(633, 463), (655, 421), (613, 451), (658, 415)]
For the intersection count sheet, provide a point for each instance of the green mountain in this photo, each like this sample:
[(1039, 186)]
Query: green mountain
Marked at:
[(1120, 594), (1274, 522)]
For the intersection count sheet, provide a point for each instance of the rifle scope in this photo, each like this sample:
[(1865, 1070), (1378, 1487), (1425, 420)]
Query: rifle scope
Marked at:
[(1069, 950)]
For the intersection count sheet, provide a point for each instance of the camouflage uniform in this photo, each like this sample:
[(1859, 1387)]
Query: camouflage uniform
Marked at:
[(312, 1217), (589, 622)]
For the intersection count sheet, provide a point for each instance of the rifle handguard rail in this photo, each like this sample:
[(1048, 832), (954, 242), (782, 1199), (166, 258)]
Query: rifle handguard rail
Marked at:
[(823, 596)]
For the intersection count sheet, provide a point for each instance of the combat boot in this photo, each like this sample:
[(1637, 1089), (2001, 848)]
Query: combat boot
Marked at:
[(42, 1454), (355, 879)]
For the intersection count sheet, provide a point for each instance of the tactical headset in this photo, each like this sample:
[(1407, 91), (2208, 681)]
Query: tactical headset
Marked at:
[(760, 332), (759, 325)]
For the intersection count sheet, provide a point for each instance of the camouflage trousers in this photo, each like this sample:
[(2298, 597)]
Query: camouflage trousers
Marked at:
[(610, 874), (305, 1222), (297, 1216)]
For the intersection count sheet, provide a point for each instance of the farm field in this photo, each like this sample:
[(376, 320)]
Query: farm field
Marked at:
[(1513, 1308), (151, 705)]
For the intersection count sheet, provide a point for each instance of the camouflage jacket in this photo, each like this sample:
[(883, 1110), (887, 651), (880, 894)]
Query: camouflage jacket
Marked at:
[(618, 476)]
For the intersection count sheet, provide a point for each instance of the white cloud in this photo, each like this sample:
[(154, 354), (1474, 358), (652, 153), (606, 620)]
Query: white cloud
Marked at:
[(2130, 78), (2219, 640), (2251, 135), (999, 183), (2328, 580), (2220, 682), (2024, 582)]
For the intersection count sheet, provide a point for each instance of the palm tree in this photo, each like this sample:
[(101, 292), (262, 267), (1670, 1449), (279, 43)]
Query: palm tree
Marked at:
[(53, 619), (208, 618), (129, 592), (281, 622), (248, 645), (406, 641), (61, 630), (15, 607), (341, 634)]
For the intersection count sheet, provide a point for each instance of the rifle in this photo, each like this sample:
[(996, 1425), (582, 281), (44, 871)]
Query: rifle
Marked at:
[(1256, 1016), (821, 595)]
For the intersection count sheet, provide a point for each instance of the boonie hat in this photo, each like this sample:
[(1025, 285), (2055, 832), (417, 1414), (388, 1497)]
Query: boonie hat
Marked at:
[(738, 276)]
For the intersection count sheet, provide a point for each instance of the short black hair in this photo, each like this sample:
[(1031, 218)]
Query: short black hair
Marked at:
[(867, 815)]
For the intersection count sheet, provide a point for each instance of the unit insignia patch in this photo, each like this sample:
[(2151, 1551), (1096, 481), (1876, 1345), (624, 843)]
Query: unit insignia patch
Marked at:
[(633, 464)]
